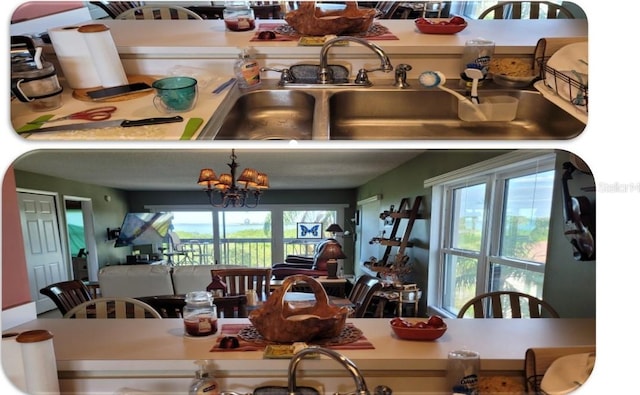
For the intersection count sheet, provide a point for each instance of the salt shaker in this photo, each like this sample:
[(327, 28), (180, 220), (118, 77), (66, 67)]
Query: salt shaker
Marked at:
[(463, 367)]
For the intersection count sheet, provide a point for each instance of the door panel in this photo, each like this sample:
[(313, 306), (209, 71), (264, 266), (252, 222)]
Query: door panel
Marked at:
[(44, 254)]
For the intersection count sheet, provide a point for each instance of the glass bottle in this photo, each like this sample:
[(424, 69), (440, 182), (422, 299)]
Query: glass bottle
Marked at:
[(238, 16), (200, 315)]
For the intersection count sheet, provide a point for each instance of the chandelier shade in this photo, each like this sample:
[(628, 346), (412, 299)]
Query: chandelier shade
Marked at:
[(227, 191)]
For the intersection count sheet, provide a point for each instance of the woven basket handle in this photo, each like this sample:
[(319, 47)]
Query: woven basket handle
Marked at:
[(322, 299)]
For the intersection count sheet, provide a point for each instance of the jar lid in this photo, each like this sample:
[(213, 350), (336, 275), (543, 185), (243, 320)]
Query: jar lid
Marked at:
[(199, 297)]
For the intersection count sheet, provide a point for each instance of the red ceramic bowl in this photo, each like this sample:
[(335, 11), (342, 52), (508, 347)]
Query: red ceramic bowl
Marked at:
[(436, 28), (428, 333)]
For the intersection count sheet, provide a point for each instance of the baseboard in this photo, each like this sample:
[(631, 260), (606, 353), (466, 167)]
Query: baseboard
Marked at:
[(18, 315)]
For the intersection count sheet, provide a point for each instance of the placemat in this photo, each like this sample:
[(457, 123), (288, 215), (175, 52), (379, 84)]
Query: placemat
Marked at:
[(351, 338), (284, 32)]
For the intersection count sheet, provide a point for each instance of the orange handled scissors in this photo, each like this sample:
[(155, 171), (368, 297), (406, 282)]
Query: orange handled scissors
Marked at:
[(94, 114)]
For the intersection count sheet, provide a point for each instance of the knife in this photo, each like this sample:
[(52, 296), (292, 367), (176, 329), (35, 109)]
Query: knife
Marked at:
[(105, 124)]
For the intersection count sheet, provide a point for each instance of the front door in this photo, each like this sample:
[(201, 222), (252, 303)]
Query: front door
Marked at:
[(43, 249)]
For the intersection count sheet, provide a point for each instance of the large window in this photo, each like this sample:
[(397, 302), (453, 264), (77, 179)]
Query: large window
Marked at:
[(494, 227), (256, 238)]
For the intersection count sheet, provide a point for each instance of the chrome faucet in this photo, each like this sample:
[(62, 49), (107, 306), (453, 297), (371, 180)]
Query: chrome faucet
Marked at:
[(324, 73), (361, 386)]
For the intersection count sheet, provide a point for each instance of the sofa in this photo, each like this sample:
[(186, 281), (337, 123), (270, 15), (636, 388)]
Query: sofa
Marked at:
[(154, 280), (294, 264)]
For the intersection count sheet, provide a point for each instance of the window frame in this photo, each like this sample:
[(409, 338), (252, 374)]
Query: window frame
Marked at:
[(496, 170)]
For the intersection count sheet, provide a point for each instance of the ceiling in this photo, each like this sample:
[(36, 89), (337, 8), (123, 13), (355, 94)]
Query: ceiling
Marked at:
[(178, 169)]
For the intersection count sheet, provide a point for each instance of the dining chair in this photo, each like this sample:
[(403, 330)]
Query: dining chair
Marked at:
[(171, 306), (67, 294), (362, 293), (117, 307), (159, 12), (115, 8), (526, 10), (239, 280), (508, 304)]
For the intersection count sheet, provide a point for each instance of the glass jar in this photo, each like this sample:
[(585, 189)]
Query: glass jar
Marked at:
[(238, 16), (200, 315)]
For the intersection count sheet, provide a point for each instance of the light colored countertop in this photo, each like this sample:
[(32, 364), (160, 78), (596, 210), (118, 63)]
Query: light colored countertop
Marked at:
[(154, 48), (89, 350)]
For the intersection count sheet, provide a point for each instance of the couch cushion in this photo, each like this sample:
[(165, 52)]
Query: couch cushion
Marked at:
[(194, 278), (135, 280)]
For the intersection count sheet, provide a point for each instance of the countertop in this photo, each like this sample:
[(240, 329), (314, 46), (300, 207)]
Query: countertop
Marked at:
[(149, 348), (146, 48)]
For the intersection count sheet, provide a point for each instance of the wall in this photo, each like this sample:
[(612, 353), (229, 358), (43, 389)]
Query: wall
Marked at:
[(107, 214), (569, 285), (14, 263)]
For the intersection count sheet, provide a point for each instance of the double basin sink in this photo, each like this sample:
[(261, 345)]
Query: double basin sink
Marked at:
[(379, 112)]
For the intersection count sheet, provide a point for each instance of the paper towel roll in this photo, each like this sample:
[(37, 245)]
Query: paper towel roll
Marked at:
[(104, 54), (39, 361), (12, 361), (74, 57)]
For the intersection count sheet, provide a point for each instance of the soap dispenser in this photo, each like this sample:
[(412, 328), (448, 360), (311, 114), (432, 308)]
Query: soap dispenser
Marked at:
[(247, 70), (204, 383)]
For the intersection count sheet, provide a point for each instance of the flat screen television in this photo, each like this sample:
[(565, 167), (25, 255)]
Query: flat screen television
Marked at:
[(144, 228)]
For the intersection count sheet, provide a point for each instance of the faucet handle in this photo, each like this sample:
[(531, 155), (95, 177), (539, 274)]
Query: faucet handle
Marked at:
[(285, 74), (362, 78), (382, 390)]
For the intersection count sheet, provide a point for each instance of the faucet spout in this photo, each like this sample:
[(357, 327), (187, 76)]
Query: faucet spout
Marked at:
[(361, 385), (324, 74)]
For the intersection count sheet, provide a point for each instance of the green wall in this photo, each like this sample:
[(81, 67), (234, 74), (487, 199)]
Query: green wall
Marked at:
[(570, 286)]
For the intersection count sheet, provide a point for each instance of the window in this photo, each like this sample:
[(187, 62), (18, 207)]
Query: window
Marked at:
[(494, 226), (291, 218), (245, 238), (256, 238)]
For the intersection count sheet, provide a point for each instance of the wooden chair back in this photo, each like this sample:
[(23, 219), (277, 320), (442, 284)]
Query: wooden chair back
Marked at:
[(115, 8), (171, 306), (67, 294), (159, 13), (526, 10), (362, 293), (239, 280), (103, 308), (508, 304)]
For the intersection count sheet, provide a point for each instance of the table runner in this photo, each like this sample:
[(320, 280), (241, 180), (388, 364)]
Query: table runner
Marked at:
[(285, 32), (235, 329)]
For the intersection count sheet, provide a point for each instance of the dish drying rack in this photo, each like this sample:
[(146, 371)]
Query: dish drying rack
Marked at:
[(575, 87)]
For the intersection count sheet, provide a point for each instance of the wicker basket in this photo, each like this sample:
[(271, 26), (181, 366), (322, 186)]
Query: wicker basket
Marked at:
[(282, 322), (312, 21)]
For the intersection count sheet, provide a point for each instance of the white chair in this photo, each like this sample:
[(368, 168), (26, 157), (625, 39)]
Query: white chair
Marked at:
[(159, 13), (121, 307)]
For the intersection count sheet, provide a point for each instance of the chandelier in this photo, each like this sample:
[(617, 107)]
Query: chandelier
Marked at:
[(227, 191)]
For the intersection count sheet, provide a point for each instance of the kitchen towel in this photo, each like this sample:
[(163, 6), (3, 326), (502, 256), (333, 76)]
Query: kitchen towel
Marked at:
[(74, 57)]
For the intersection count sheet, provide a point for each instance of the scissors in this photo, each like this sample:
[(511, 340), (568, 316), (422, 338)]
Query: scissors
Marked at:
[(94, 114)]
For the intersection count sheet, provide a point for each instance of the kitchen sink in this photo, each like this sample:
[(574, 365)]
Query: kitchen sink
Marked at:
[(433, 114), (269, 115), (380, 112)]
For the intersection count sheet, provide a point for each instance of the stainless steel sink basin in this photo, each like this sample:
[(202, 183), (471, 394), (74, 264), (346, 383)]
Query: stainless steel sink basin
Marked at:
[(433, 114), (269, 115), (381, 112)]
